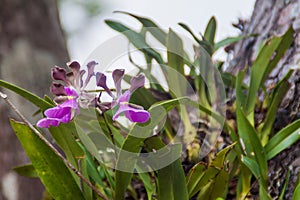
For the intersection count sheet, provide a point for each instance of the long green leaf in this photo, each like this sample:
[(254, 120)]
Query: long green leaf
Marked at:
[(197, 178), (167, 176), (277, 96), (264, 63), (148, 184), (65, 136), (39, 102), (252, 166), (210, 31), (227, 41), (190, 31), (150, 26), (252, 145), (194, 176), (50, 168), (136, 39), (283, 139), (175, 52)]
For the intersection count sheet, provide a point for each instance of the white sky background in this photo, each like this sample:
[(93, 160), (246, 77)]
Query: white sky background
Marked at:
[(195, 13)]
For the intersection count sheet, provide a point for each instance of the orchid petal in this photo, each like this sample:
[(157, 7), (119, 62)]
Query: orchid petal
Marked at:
[(57, 89), (137, 115), (58, 73), (118, 76), (125, 97), (62, 114), (91, 67), (70, 79), (74, 67), (71, 103), (47, 122), (133, 114), (71, 92), (137, 82), (101, 82)]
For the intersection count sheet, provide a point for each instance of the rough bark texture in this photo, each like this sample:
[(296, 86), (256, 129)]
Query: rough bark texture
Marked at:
[(31, 41), (274, 17)]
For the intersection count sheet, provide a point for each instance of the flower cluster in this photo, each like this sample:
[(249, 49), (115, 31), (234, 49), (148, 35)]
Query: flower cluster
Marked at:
[(133, 112), (72, 94)]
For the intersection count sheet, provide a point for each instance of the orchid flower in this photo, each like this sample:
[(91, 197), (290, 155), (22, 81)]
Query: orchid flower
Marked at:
[(132, 112), (68, 97)]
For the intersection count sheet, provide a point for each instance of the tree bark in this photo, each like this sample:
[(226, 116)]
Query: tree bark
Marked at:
[(269, 18), (31, 41)]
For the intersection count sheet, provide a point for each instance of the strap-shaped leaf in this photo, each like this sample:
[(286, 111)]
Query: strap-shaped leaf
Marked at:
[(283, 139), (136, 39), (265, 62), (167, 176), (39, 102), (210, 31), (253, 147), (175, 52), (150, 26), (50, 168), (278, 94)]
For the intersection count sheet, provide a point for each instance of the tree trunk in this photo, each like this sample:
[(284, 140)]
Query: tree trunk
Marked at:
[(31, 41), (269, 18)]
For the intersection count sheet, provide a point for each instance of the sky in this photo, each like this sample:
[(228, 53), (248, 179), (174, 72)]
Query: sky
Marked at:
[(86, 35)]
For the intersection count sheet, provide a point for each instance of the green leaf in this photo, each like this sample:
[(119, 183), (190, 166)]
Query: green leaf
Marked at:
[(230, 40), (146, 179), (209, 174), (252, 166), (134, 144), (266, 60), (175, 52), (143, 97), (64, 136), (277, 96), (150, 26), (39, 102), (92, 169), (240, 97), (252, 145), (50, 168), (26, 170), (167, 176), (227, 41), (296, 194), (137, 39), (203, 43), (219, 160), (220, 185), (216, 188), (194, 176), (215, 176), (191, 32), (210, 31), (283, 139)]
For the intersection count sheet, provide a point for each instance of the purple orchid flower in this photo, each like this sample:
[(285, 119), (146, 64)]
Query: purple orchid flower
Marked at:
[(61, 113), (68, 97), (132, 112)]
